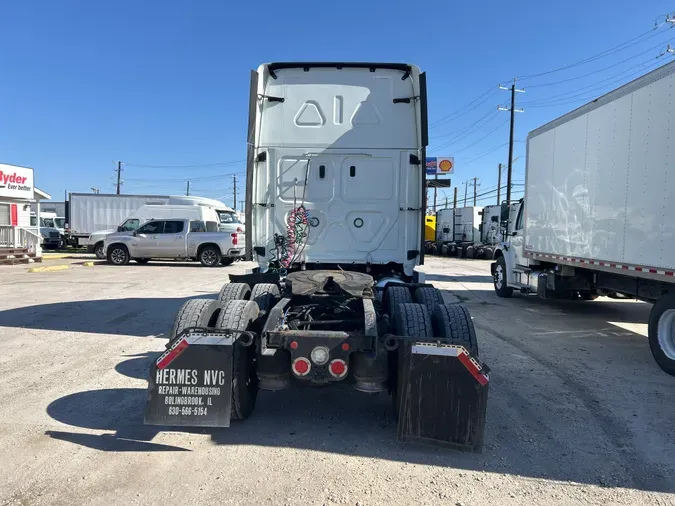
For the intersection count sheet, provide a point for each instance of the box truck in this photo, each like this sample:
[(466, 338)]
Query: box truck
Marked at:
[(596, 218)]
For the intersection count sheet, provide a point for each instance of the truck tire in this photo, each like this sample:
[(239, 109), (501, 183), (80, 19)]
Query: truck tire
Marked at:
[(209, 256), (238, 315), (499, 279), (394, 296), (118, 254), (194, 313), (265, 295), (428, 296), (453, 321), (413, 320), (661, 332), (234, 291), (489, 254), (98, 250)]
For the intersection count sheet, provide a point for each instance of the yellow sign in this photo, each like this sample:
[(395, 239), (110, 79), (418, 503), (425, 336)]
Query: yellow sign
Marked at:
[(445, 165)]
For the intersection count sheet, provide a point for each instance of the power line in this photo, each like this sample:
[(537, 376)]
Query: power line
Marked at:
[(192, 166), (467, 132), (484, 153), (659, 45), (583, 97), (181, 179), (482, 138), (570, 94), (451, 117), (612, 50), (461, 130)]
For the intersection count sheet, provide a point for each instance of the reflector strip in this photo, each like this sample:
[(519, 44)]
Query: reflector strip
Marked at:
[(471, 367), (453, 350), (213, 338), (172, 353), (623, 267)]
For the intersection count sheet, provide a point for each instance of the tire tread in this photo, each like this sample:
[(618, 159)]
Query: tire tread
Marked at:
[(453, 321), (238, 314)]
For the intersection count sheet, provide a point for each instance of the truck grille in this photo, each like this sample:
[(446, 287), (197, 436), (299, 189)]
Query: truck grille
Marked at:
[(53, 235)]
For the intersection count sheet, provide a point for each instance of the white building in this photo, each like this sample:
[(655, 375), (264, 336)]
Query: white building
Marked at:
[(19, 241)]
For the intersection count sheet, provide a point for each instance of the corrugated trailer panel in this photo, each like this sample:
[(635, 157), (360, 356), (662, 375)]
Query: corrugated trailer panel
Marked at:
[(600, 179), (91, 213)]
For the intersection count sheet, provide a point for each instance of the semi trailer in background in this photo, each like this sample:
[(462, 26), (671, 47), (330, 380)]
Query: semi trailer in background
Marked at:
[(596, 218)]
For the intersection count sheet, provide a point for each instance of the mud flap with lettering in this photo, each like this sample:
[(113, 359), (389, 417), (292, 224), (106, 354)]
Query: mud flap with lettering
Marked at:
[(442, 396), (190, 384)]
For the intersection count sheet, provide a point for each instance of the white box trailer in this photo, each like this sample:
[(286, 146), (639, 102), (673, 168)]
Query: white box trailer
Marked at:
[(91, 212), (596, 217)]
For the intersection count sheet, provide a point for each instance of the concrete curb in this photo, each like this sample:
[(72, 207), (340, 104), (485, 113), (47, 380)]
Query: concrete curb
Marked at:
[(55, 256), (49, 268)]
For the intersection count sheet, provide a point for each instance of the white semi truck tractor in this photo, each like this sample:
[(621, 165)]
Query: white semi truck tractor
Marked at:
[(335, 225), (597, 215)]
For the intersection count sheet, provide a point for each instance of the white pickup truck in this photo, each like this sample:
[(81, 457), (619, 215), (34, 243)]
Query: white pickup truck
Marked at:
[(177, 239)]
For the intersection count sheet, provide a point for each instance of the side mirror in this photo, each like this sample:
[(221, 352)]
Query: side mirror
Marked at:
[(120, 229), (135, 233)]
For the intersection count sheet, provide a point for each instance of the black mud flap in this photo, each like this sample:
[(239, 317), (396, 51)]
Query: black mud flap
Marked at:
[(443, 395), (190, 384)]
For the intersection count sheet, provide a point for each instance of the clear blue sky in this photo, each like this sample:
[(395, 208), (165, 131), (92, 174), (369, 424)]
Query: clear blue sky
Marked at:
[(84, 83)]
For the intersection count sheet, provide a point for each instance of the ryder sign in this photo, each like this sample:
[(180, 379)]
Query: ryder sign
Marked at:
[(16, 182)]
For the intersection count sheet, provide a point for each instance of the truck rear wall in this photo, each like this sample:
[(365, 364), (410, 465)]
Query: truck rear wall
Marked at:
[(91, 213), (601, 180)]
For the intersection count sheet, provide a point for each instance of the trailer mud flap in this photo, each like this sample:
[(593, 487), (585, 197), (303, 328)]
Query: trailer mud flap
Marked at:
[(442, 396), (191, 383)]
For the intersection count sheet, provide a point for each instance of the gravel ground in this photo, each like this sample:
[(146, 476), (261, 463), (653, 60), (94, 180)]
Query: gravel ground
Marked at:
[(578, 411)]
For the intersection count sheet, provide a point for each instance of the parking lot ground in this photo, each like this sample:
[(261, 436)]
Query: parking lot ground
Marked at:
[(578, 411)]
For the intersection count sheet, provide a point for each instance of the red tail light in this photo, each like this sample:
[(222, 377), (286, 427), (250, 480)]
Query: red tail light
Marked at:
[(338, 368), (301, 366), (235, 239)]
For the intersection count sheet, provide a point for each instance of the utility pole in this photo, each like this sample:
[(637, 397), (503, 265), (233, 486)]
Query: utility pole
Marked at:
[(475, 181), (187, 190), (499, 184), (234, 179), (119, 176), (513, 111), (466, 189), (454, 203)]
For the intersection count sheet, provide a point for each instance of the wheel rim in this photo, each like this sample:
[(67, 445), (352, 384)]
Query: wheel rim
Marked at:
[(666, 333), (99, 251), (499, 276), (118, 256), (209, 257)]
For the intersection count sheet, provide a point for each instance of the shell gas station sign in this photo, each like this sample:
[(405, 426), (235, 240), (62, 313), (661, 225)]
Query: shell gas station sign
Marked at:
[(439, 165)]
